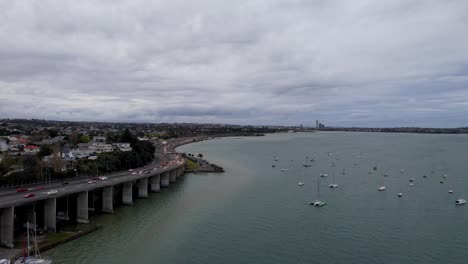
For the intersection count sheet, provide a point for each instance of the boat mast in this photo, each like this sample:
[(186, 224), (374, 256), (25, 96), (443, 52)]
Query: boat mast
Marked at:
[(318, 188)]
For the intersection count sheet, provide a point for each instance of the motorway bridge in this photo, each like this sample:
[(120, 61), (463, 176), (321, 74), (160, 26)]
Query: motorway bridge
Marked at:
[(74, 199)]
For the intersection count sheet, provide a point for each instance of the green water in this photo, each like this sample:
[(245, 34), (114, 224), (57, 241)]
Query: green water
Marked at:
[(254, 213)]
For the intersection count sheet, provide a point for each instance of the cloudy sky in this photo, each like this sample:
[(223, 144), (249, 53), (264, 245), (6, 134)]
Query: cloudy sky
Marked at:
[(362, 63)]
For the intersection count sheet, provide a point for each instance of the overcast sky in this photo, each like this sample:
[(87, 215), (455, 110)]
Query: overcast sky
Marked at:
[(362, 63)]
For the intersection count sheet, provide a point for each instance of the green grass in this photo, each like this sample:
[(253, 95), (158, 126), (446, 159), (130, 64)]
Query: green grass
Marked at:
[(55, 237), (191, 165)]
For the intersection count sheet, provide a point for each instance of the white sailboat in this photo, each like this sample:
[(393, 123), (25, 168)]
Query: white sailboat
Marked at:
[(317, 202), (28, 259), (306, 164), (333, 185)]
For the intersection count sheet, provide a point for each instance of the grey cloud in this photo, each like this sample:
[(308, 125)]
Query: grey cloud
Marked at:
[(278, 62)]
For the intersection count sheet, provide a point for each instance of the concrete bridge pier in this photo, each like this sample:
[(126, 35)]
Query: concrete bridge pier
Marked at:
[(180, 172), (127, 193), (154, 183), (7, 220), (165, 179), (82, 208), (50, 215), (172, 176), (143, 188), (108, 199), (31, 214)]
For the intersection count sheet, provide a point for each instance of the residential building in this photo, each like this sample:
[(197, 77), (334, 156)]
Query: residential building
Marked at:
[(122, 146), (31, 149)]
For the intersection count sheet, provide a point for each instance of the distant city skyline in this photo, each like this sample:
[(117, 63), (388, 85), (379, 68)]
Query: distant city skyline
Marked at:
[(358, 63)]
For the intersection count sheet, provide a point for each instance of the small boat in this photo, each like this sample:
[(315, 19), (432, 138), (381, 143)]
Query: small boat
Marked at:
[(306, 164), (323, 175), (36, 257), (400, 194), (450, 191), (402, 170), (276, 158), (318, 203), (300, 184), (424, 176), (460, 201), (332, 164), (411, 184), (385, 175), (374, 168), (441, 181), (445, 176), (273, 165), (412, 180), (284, 170), (333, 185), (382, 188)]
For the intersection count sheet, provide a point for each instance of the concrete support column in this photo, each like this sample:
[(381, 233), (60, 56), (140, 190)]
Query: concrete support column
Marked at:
[(127, 193), (31, 214), (50, 215), (7, 216), (82, 208), (181, 171), (143, 188), (172, 176), (165, 179), (154, 183), (108, 199)]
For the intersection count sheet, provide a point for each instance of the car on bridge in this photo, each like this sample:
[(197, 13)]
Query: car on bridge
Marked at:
[(103, 178), (91, 181), (52, 192), (29, 195), (21, 190)]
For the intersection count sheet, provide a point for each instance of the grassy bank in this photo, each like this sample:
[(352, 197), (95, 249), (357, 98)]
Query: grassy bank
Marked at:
[(191, 165)]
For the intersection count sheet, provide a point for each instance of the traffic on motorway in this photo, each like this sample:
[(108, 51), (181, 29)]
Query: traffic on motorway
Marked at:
[(165, 160)]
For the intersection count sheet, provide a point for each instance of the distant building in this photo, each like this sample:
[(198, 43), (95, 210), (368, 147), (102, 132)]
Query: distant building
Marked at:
[(96, 147), (319, 125), (4, 146), (31, 149), (99, 139), (122, 146)]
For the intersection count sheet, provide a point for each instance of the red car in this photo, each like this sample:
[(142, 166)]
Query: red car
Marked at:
[(29, 195), (21, 190)]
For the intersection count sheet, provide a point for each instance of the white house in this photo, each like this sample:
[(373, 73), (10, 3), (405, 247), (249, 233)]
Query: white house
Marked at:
[(4, 145), (122, 146)]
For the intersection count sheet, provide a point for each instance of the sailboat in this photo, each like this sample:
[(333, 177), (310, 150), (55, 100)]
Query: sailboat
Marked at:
[(27, 258), (276, 158), (333, 185), (317, 202), (306, 164)]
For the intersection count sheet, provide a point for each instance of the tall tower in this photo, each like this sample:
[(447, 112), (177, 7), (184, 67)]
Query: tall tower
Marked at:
[(317, 124)]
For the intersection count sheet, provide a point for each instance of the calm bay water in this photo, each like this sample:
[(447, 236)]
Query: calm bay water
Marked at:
[(254, 213)]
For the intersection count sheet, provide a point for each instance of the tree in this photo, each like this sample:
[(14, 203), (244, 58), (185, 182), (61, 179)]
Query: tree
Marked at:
[(45, 150), (84, 139), (127, 136)]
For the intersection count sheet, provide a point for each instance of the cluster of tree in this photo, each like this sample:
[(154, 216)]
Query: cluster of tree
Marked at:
[(34, 169)]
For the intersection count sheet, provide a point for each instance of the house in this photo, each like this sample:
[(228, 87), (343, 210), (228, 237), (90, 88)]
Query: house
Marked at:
[(96, 147), (99, 139), (4, 146), (122, 146), (81, 153), (31, 149)]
